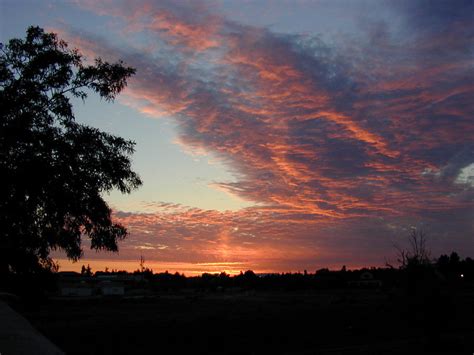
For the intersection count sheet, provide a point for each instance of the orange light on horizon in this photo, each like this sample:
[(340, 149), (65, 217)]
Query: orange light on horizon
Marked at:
[(193, 269), (188, 269)]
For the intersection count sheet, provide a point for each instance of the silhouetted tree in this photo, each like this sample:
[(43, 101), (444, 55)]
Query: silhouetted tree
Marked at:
[(417, 254), (54, 169), (143, 270), (454, 260), (86, 271), (453, 266), (443, 263), (322, 271)]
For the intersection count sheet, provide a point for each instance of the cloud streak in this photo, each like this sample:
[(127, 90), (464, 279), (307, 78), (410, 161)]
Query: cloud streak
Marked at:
[(373, 131)]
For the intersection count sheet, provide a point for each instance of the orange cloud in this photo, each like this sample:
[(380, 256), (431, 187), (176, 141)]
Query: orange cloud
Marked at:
[(315, 136)]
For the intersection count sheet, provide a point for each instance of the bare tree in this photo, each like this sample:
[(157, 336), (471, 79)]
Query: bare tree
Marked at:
[(142, 264), (417, 252)]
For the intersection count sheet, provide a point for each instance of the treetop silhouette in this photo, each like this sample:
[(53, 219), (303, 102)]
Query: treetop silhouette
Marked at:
[(54, 169)]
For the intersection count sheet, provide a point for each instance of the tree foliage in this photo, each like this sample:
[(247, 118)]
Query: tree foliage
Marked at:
[(55, 170)]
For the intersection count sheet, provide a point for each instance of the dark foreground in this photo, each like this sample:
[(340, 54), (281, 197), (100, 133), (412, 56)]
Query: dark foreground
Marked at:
[(248, 322)]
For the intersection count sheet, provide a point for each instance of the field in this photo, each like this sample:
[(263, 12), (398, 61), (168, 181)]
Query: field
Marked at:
[(250, 322)]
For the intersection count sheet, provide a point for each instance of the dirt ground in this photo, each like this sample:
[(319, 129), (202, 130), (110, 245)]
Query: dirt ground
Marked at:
[(249, 322)]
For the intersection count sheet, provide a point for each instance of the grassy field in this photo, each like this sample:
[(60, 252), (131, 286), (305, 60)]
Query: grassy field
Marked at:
[(249, 322)]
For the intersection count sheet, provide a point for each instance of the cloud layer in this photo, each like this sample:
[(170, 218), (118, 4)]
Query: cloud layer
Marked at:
[(341, 147)]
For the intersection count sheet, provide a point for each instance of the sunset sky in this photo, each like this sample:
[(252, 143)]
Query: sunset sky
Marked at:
[(280, 135)]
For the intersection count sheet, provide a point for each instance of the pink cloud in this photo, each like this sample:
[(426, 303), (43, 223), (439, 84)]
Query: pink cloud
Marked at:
[(315, 136)]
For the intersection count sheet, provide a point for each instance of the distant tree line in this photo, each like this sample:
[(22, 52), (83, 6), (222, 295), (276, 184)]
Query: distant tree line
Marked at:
[(448, 269), (443, 274)]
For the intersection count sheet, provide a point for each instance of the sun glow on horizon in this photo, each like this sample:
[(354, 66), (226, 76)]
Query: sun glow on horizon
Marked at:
[(188, 269)]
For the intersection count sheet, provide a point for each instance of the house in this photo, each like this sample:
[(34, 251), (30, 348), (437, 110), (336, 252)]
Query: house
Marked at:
[(366, 280), (81, 289), (110, 288)]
